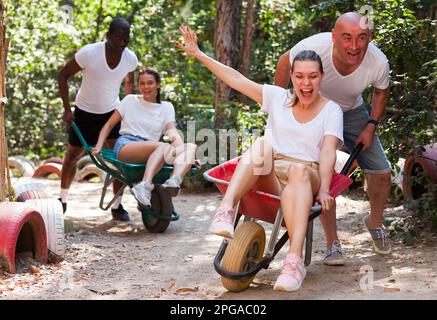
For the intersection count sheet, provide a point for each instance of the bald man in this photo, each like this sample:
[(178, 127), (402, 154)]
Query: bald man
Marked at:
[(351, 64)]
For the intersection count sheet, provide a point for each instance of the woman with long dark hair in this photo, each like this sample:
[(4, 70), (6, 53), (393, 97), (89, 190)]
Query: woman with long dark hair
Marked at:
[(144, 118)]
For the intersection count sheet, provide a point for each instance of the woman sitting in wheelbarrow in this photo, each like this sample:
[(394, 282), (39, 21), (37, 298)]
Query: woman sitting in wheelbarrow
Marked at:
[(295, 158), (144, 118)]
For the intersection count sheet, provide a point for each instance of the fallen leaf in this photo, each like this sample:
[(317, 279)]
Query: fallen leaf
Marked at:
[(33, 269), (386, 289), (102, 293), (108, 292), (185, 291)]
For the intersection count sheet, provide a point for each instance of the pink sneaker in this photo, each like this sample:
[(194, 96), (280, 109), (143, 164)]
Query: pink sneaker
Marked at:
[(223, 223), (292, 274)]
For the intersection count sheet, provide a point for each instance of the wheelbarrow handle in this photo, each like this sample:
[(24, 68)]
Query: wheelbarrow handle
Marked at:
[(351, 158)]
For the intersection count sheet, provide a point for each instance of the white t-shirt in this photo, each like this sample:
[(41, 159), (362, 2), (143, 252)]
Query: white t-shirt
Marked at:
[(346, 90), (292, 138), (144, 119), (100, 85)]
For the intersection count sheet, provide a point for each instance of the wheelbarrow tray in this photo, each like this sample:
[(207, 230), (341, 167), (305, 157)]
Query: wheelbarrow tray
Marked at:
[(256, 203)]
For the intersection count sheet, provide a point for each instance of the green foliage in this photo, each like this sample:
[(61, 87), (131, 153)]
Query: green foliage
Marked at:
[(41, 43), (32, 113)]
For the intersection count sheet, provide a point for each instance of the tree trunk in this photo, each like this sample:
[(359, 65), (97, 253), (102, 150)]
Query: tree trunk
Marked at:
[(99, 21), (247, 41), (226, 44)]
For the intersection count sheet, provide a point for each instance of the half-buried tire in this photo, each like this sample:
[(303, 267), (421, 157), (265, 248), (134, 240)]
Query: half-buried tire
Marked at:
[(32, 194), (51, 212), (22, 229), (46, 169)]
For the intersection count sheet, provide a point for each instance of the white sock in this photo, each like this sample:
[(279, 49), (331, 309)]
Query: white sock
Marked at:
[(117, 202), (64, 195)]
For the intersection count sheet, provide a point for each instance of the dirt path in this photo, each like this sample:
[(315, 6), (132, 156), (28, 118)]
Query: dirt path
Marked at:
[(107, 260)]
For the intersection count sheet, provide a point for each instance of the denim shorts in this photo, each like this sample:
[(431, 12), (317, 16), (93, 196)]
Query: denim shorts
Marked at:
[(373, 160), (122, 140)]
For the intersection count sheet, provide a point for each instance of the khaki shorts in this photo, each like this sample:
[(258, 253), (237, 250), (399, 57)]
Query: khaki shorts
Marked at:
[(282, 164)]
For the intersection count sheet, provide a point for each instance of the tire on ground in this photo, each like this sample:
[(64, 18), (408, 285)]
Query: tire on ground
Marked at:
[(88, 172), (23, 165), (22, 228), (84, 161), (24, 185), (51, 212), (54, 160), (415, 179), (32, 194), (45, 169)]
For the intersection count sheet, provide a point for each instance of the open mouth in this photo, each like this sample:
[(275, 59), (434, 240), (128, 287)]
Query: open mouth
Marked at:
[(306, 92), (353, 55)]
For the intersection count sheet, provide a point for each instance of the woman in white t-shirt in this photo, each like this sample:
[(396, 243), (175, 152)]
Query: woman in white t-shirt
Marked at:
[(295, 158), (144, 118)]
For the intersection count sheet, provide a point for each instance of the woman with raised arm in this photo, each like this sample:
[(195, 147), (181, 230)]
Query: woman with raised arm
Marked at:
[(295, 159)]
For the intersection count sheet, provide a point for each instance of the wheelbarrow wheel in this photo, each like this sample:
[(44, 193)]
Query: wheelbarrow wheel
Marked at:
[(243, 251), (161, 203)]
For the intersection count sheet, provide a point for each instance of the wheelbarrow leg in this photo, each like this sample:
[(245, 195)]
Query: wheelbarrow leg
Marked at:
[(309, 243)]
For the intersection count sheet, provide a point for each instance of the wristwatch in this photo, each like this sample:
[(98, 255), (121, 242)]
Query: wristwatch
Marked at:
[(376, 123)]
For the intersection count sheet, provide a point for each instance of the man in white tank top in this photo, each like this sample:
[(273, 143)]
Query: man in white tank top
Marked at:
[(351, 64), (104, 66)]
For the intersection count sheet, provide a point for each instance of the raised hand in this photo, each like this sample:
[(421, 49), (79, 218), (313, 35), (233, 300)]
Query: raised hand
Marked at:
[(190, 41)]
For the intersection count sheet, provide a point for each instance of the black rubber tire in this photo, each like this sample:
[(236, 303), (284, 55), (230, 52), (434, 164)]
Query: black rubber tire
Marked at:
[(161, 203)]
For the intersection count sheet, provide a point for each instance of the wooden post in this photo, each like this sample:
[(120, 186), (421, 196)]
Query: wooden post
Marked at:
[(4, 166)]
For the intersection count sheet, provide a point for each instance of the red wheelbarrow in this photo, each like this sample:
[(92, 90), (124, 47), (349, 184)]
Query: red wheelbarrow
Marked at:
[(239, 260)]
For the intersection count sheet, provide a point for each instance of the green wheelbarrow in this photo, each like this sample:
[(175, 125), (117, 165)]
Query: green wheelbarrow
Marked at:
[(158, 216)]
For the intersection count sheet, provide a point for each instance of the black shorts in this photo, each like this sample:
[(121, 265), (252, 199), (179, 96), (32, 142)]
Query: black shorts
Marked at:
[(90, 125)]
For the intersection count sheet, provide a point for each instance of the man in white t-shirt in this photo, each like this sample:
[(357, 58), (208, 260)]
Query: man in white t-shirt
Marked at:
[(351, 63), (104, 66)]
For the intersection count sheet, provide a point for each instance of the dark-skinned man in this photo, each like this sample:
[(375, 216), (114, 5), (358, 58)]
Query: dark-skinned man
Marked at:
[(104, 66)]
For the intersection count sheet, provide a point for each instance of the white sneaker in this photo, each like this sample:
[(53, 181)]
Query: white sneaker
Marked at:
[(143, 192), (223, 223), (173, 185)]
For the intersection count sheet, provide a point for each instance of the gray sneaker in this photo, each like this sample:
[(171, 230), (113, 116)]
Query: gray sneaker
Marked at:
[(173, 185), (381, 241), (334, 255), (143, 192)]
